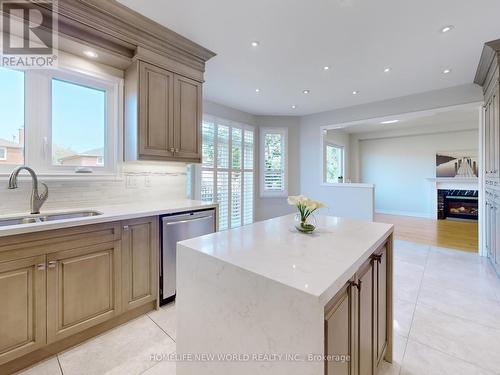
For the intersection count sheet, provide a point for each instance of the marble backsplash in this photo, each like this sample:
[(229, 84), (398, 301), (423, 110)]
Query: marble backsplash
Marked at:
[(134, 183)]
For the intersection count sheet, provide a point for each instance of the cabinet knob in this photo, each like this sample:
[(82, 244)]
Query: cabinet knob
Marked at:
[(172, 149), (53, 264), (40, 267), (176, 150)]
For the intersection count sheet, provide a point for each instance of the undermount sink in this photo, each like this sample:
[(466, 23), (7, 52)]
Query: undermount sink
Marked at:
[(30, 219)]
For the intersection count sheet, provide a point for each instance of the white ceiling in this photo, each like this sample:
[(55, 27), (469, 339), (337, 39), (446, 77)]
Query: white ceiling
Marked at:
[(357, 38), (465, 116)]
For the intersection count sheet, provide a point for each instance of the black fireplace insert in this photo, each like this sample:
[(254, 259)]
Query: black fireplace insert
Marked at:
[(458, 204)]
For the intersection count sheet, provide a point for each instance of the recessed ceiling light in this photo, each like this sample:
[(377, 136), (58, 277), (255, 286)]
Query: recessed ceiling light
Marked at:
[(355, 92), (326, 67), (389, 122), (387, 70), (257, 90), (91, 54), (294, 106), (306, 91), (447, 28), (446, 71), (255, 43)]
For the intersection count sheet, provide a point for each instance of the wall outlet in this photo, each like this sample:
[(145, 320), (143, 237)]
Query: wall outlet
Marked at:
[(131, 182)]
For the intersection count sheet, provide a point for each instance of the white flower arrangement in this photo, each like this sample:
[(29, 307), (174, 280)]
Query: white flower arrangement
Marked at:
[(306, 207)]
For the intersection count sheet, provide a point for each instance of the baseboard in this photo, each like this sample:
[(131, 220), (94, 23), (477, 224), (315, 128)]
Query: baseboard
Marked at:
[(404, 213)]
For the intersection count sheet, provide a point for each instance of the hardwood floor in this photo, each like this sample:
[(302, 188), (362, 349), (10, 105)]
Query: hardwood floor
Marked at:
[(443, 233)]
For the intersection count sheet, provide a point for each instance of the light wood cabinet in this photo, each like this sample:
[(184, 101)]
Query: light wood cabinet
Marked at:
[(340, 332), (366, 304), (140, 253), (22, 315), (358, 320), (187, 118), (83, 288), (62, 286), (163, 114), (380, 304), (156, 111)]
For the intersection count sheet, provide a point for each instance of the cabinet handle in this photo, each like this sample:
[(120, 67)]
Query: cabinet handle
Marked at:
[(53, 264), (356, 284), (125, 228), (172, 149), (40, 267)]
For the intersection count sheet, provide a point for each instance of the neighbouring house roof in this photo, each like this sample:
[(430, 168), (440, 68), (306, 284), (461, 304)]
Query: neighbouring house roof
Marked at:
[(90, 153), (9, 144)]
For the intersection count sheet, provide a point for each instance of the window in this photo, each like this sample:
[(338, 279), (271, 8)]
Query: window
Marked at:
[(58, 121), (333, 162), (227, 170), (78, 134), (273, 162), (12, 117)]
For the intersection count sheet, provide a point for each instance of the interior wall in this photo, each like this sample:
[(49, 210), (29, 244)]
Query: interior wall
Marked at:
[(400, 166), (310, 128)]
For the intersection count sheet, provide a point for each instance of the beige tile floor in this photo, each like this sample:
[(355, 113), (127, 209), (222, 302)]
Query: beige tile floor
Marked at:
[(446, 322)]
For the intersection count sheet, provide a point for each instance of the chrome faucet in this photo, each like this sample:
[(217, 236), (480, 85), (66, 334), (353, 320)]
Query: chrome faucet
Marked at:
[(37, 200)]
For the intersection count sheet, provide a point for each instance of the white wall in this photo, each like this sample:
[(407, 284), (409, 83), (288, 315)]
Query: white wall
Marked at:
[(399, 166), (310, 129)]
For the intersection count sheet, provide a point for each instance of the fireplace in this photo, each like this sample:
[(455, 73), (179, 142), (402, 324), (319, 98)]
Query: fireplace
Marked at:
[(458, 204)]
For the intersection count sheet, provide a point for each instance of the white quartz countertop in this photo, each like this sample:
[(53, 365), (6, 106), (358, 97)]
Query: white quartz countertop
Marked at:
[(318, 264), (108, 213)]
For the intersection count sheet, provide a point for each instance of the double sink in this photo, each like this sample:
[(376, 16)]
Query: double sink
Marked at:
[(30, 219)]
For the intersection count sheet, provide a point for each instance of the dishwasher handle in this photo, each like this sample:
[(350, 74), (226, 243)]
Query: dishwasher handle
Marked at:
[(187, 220)]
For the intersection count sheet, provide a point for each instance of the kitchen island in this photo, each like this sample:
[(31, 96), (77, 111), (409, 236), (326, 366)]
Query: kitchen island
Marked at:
[(265, 299)]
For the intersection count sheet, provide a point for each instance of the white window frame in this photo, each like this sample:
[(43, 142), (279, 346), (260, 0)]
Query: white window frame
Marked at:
[(38, 122), (342, 162), (199, 167), (272, 193), (4, 157)]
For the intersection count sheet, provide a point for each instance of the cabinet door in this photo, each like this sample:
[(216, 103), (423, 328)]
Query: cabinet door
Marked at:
[(187, 118), (339, 333), (23, 311), (496, 231), (140, 263), (156, 111), (487, 139), (365, 344), (380, 304), (495, 133), (83, 288)]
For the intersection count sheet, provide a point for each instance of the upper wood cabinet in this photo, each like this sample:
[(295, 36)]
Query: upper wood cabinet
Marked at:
[(22, 315), (163, 114)]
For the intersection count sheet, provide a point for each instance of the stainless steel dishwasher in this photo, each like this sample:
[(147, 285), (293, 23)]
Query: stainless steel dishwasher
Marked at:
[(175, 228)]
